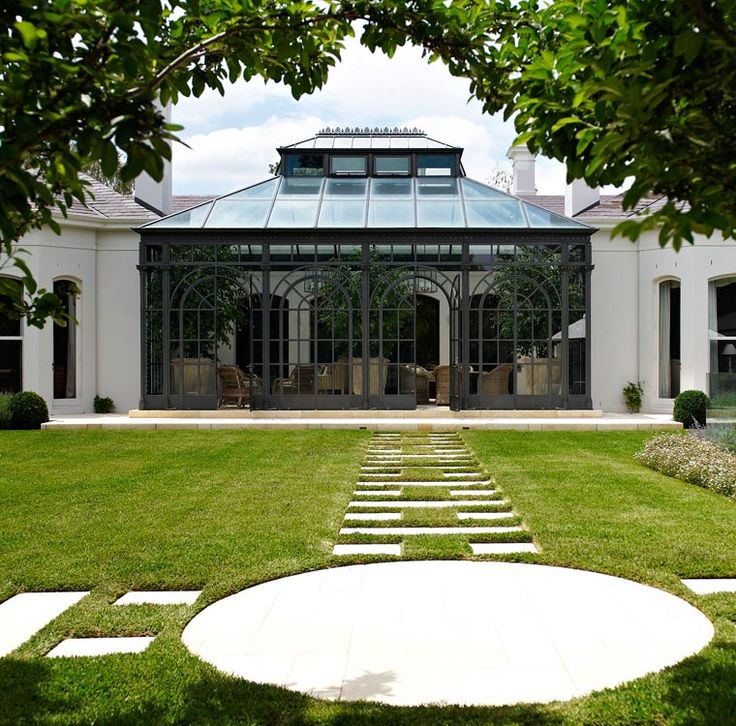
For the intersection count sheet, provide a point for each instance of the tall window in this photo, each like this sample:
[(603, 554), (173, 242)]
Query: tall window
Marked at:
[(11, 340), (722, 334), (65, 342), (669, 338)]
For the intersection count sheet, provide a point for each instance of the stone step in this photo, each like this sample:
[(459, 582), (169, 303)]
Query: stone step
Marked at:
[(367, 549), (405, 531), (502, 548), (484, 515), (432, 504), (89, 647), (159, 597), (423, 483), (471, 493), (378, 516), (377, 493), (23, 615)]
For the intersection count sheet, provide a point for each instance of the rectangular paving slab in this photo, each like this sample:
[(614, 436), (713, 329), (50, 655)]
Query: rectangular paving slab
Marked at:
[(424, 483), (502, 548), (87, 647), (428, 530), (377, 492), (707, 586), (22, 616), (159, 597), (378, 516), (470, 493), (367, 549), (431, 503), (484, 515)]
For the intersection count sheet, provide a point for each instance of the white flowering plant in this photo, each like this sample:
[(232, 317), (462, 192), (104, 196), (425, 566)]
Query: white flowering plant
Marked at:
[(692, 459)]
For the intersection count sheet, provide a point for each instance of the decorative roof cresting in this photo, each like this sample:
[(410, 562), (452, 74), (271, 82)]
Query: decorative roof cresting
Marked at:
[(368, 131)]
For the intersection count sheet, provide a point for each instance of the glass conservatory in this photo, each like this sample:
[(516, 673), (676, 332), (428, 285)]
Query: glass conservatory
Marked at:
[(370, 272)]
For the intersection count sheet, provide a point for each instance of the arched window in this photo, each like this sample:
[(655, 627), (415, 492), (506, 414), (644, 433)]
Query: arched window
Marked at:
[(65, 342), (11, 338), (722, 335), (669, 338)]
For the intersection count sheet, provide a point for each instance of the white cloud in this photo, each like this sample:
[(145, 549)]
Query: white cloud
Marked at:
[(233, 138)]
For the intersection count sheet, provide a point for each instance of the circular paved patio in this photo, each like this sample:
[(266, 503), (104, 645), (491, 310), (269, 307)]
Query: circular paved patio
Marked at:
[(407, 633)]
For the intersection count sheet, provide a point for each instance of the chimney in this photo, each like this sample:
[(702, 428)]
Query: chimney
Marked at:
[(579, 197), (522, 164), (154, 195)]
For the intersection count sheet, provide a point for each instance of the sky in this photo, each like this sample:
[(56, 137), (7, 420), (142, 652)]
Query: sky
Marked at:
[(233, 138)]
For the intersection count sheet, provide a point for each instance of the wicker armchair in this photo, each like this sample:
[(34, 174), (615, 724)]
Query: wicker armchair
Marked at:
[(495, 382), (300, 380), (236, 387), (414, 379), (442, 379)]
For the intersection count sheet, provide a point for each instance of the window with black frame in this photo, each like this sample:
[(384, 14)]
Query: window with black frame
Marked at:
[(11, 337)]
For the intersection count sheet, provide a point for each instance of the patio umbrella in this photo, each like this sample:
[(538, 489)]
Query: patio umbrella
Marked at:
[(575, 330)]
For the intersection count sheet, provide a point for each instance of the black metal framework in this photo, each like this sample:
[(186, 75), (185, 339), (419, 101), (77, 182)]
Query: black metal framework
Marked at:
[(328, 320)]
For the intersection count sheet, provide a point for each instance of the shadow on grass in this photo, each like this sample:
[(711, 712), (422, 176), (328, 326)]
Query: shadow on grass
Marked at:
[(701, 690), (34, 691)]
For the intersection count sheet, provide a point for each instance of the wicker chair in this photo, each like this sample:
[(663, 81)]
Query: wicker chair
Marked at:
[(414, 379), (442, 379), (495, 382), (300, 380), (236, 387)]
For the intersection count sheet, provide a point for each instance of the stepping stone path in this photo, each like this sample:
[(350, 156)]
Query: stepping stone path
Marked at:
[(23, 615), (427, 484)]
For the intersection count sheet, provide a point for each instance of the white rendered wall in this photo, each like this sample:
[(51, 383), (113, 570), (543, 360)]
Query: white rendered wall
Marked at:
[(118, 318), (625, 314), (69, 255), (614, 308)]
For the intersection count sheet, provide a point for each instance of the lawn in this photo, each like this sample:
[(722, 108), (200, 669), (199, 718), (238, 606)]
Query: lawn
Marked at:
[(220, 510)]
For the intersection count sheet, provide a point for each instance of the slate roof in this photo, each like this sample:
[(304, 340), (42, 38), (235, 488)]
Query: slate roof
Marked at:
[(610, 205), (108, 204)]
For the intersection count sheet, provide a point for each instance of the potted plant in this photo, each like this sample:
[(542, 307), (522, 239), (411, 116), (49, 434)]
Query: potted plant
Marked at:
[(633, 393)]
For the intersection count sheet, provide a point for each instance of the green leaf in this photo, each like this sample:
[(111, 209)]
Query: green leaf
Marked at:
[(28, 33)]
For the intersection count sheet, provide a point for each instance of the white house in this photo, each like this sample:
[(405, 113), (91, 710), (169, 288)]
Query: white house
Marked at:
[(372, 246)]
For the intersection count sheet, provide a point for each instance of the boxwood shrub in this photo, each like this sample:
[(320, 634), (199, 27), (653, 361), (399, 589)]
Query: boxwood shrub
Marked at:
[(28, 411)]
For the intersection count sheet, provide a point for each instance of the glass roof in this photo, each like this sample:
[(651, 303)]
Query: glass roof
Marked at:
[(368, 139), (348, 203)]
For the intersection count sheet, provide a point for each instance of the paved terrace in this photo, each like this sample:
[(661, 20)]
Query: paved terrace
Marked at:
[(429, 418)]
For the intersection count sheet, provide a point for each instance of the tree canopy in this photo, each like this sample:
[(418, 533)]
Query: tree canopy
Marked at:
[(614, 88), (626, 88)]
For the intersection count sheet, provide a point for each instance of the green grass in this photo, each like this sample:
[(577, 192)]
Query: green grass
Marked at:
[(219, 510)]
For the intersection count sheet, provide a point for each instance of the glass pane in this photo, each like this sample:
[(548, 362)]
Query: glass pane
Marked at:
[(293, 213), (390, 213), (189, 218), (264, 190), (304, 165), (10, 366), (235, 213), (539, 217), (502, 213), (392, 165), (342, 213), (391, 187), (440, 213), (441, 186), (291, 187), (9, 322), (476, 190), (435, 165), (345, 187), (348, 164)]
